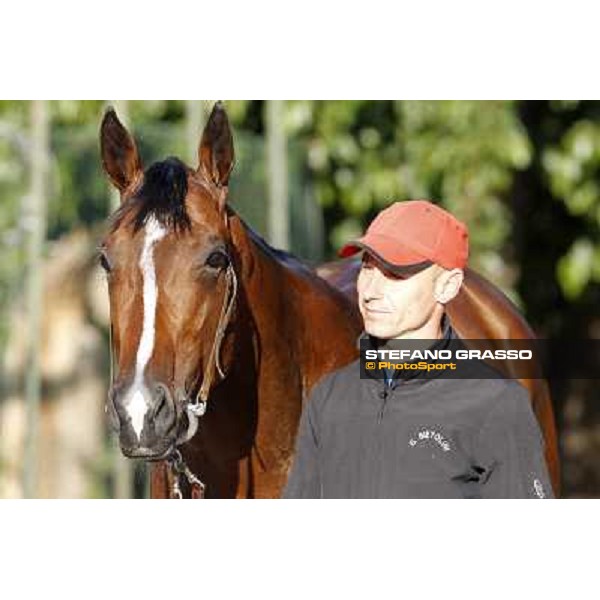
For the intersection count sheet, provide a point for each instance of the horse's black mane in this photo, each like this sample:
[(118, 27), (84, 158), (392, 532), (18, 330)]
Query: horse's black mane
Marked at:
[(162, 195), (277, 254)]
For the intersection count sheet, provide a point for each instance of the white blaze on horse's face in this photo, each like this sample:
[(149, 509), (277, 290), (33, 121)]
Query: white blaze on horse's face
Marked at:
[(137, 399)]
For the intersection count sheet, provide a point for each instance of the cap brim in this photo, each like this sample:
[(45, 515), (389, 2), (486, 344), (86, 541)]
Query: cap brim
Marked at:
[(392, 255)]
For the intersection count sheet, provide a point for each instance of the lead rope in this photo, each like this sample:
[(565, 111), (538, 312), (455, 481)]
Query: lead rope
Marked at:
[(179, 468)]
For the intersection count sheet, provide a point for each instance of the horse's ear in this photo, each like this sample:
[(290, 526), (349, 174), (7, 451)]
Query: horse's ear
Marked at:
[(215, 153), (120, 157)]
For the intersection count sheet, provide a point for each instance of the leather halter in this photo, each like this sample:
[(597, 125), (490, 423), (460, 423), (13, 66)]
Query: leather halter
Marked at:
[(198, 406)]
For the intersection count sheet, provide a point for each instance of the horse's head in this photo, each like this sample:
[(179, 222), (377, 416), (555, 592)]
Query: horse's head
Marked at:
[(168, 258)]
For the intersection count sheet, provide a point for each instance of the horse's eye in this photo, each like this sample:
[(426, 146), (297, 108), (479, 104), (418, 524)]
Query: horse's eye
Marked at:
[(104, 263), (217, 260)]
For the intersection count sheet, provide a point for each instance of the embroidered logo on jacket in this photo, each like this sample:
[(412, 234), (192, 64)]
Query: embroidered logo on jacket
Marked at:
[(430, 435), (538, 488)]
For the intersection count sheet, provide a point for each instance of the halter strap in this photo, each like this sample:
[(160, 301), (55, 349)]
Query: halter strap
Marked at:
[(198, 406)]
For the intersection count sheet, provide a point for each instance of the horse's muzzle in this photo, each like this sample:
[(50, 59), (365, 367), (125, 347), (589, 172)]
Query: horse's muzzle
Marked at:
[(145, 418)]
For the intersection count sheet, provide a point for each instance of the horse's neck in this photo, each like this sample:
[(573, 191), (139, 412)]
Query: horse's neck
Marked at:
[(482, 311), (265, 282), (293, 309)]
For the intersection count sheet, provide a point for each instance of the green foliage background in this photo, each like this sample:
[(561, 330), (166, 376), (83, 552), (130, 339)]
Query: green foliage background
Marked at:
[(523, 175), (356, 157)]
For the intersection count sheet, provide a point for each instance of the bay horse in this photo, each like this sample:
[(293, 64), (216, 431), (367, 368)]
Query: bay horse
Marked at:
[(206, 316), (217, 338)]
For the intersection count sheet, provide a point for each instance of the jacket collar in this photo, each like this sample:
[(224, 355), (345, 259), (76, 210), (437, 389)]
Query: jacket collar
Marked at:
[(448, 334)]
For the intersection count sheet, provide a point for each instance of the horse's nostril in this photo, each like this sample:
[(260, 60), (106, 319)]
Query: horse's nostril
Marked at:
[(160, 398), (164, 409)]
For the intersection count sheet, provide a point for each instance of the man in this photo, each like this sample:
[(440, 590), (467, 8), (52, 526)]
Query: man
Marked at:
[(414, 435)]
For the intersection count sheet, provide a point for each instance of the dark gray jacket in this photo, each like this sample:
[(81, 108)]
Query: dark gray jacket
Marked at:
[(418, 438)]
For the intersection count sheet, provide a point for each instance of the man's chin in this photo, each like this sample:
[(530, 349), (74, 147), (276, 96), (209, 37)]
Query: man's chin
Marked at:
[(379, 332)]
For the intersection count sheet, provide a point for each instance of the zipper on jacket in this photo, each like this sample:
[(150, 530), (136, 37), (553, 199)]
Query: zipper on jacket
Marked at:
[(384, 396)]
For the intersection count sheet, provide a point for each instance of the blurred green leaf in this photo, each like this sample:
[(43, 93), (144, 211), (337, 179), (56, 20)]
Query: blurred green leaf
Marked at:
[(575, 269)]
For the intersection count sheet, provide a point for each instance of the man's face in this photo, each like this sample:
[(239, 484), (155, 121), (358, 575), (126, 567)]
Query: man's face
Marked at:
[(394, 306)]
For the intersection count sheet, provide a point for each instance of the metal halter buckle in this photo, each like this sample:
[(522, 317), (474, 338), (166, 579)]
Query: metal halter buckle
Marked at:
[(197, 408)]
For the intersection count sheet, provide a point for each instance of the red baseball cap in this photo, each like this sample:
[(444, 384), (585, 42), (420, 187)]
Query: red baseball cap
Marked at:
[(412, 235)]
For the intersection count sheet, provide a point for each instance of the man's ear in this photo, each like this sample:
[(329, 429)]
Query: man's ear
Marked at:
[(120, 157), (448, 284)]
